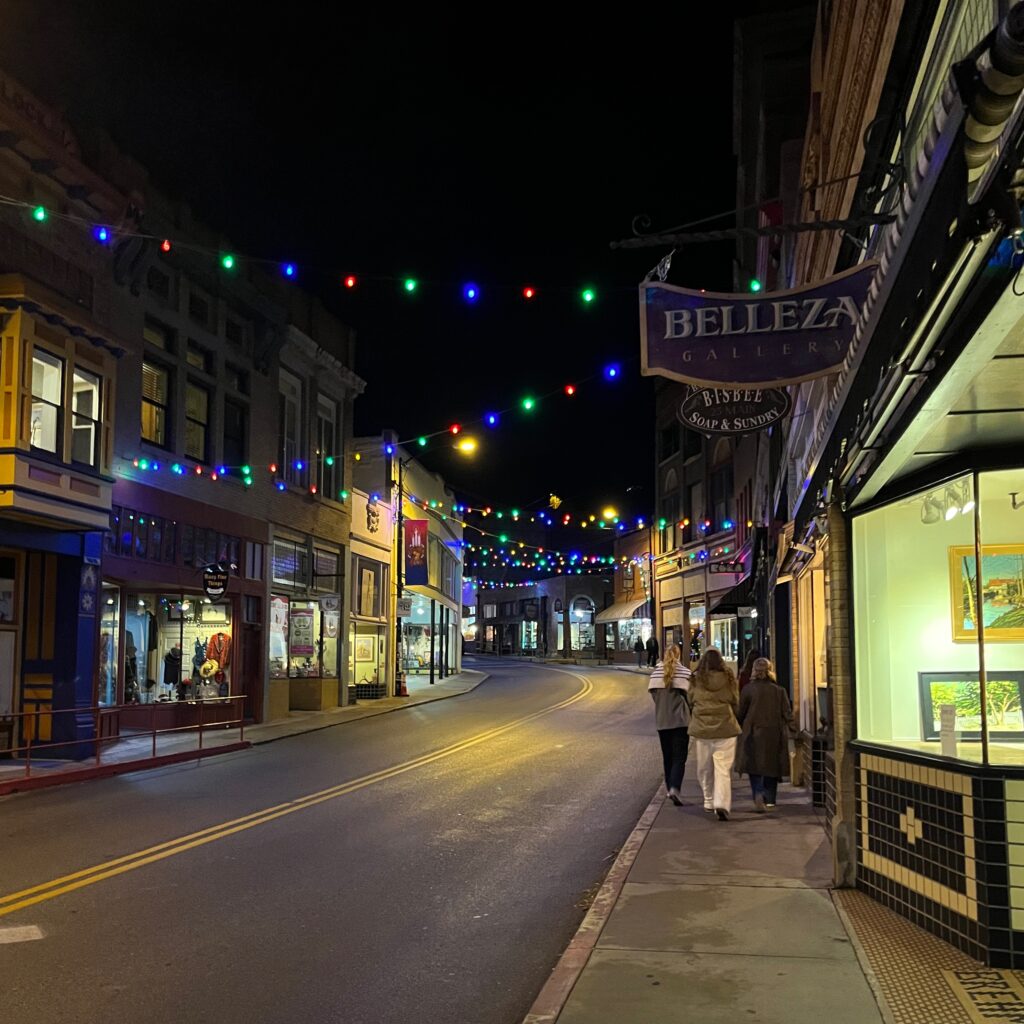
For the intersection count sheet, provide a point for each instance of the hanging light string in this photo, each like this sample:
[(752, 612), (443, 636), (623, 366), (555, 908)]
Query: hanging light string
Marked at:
[(471, 292)]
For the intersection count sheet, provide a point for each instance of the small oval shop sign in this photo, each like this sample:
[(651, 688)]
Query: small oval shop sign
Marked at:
[(733, 410), (215, 582)]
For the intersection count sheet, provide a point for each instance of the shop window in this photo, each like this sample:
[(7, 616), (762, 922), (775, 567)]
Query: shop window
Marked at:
[(47, 401), (326, 445), (631, 630), (326, 570), (367, 588), (110, 630), (724, 637), (156, 387), (236, 432), (582, 628), (85, 425), (303, 638), (528, 639), (912, 567), (176, 647), (158, 335), (8, 605), (197, 421), (290, 427), (199, 357), (290, 563), (367, 646)]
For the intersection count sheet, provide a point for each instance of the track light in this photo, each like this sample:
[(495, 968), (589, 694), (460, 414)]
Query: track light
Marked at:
[(931, 510), (952, 504)]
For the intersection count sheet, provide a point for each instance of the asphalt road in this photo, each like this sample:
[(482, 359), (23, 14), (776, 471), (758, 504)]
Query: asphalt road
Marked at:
[(428, 865)]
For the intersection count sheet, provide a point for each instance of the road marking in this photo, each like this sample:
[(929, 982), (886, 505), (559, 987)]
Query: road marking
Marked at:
[(26, 933), (129, 862)]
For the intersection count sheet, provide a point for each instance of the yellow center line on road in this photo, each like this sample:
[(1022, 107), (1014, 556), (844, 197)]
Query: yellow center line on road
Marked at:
[(129, 862)]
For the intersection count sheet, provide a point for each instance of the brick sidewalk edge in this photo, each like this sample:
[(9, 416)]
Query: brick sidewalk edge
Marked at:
[(553, 996), (862, 959)]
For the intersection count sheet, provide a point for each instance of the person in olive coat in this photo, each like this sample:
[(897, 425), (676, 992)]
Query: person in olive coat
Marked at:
[(766, 717), (714, 695)]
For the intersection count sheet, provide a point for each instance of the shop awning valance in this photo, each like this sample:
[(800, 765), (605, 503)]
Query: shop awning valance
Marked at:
[(621, 610)]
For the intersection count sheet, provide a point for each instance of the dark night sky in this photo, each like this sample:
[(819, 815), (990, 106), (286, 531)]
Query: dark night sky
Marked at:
[(378, 141)]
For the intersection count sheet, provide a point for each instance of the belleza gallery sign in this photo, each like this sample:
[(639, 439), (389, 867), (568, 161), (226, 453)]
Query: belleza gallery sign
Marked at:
[(750, 341)]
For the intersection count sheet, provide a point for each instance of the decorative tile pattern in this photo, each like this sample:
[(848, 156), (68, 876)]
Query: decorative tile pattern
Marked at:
[(917, 829)]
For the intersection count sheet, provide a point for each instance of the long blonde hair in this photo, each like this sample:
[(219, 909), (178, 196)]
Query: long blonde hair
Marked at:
[(670, 664), (763, 669)]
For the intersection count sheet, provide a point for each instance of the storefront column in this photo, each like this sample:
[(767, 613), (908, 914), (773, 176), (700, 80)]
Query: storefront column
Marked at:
[(433, 637), (844, 822)]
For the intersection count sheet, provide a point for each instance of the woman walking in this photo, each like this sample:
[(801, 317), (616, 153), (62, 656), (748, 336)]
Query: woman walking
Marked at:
[(714, 697), (668, 685), (767, 722), (748, 666)]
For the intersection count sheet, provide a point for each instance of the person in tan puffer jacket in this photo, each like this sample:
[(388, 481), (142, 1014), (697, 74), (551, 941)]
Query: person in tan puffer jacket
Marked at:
[(715, 696)]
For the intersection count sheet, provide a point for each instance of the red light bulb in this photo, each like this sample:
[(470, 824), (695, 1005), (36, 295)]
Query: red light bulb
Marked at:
[(350, 281), (199, 470), (528, 292), (165, 245), (455, 428), (272, 467), (570, 389)]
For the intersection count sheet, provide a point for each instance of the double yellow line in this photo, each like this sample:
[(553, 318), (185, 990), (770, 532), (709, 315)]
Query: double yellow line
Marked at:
[(108, 869)]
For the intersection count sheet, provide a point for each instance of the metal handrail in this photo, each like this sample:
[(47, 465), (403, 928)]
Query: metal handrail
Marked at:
[(30, 746)]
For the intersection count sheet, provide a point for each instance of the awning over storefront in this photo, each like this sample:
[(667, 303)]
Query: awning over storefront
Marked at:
[(731, 601), (621, 610)]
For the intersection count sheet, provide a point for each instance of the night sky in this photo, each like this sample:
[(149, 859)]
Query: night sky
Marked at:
[(377, 141)]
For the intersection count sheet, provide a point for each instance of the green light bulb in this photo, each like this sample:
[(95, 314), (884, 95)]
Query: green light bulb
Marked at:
[(755, 285), (227, 261), (329, 460), (39, 213), (343, 495), (410, 284), (662, 523), (248, 481), (247, 471), (422, 442), (528, 404), (588, 295)]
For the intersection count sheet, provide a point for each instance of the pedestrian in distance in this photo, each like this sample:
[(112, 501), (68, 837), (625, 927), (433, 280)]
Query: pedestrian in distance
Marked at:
[(766, 718), (668, 685), (639, 650), (652, 652), (748, 665), (714, 698)]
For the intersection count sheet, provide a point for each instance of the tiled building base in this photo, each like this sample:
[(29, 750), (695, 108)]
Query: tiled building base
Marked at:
[(942, 844), (907, 962)]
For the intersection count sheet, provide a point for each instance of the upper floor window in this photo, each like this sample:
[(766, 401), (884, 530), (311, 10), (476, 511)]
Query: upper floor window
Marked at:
[(199, 357), (158, 335), (236, 430), (236, 378), (47, 401), (234, 331), (290, 426), (156, 388), (158, 282), (197, 422), (198, 308), (326, 443), (668, 441), (85, 424)]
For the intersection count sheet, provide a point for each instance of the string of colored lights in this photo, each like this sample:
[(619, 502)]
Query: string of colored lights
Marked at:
[(471, 292)]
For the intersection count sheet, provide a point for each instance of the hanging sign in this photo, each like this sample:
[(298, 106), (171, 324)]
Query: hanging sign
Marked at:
[(215, 582), (300, 633), (416, 552), (753, 340), (733, 410), (403, 607)]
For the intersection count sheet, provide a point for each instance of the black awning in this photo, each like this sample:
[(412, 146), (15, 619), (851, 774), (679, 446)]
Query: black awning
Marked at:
[(742, 595)]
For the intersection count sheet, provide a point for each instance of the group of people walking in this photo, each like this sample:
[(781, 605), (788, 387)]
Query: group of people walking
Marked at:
[(745, 729)]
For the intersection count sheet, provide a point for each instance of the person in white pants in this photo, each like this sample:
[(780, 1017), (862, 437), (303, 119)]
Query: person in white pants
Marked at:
[(715, 696)]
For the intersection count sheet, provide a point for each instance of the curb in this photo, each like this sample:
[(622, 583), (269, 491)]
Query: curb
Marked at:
[(371, 713), (555, 994)]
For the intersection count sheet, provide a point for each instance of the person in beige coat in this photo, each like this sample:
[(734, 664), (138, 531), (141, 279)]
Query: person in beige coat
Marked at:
[(715, 696)]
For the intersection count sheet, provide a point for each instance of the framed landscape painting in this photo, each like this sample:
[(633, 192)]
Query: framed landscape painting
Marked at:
[(1002, 592), (1005, 693)]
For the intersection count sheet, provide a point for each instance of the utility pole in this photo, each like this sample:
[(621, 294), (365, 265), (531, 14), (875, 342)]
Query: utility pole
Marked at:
[(400, 690)]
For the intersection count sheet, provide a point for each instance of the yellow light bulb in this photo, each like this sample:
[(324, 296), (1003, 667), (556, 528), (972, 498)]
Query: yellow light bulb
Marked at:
[(609, 512)]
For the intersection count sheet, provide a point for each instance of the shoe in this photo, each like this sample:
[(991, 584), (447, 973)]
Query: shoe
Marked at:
[(759, 804), (709, 809), (674, 797), (771, 807), (722, 814)]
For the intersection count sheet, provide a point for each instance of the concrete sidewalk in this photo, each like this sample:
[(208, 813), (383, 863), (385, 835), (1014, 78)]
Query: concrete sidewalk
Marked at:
[(701, 920)]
